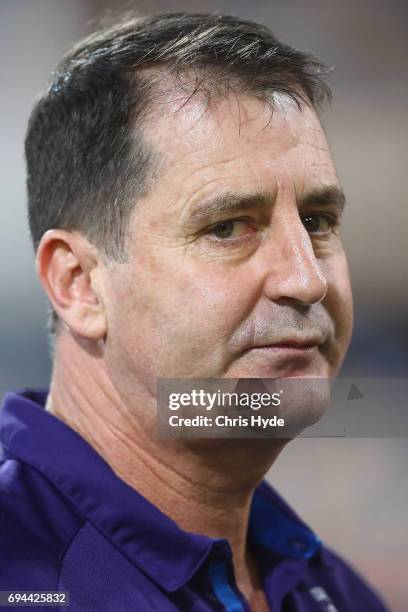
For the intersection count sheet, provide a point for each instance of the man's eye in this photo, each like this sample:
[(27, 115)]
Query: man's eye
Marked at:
[(318, 224), (233, 228)]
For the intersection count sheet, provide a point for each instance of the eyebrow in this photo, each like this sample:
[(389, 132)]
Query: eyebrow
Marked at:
[(331, 195), (228, 203), (234, 202)]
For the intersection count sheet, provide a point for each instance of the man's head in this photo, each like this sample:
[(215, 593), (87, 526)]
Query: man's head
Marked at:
[(197, 207)]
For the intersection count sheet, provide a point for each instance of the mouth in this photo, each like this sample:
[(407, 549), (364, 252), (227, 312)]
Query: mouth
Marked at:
[(295, 345), (291, 356)]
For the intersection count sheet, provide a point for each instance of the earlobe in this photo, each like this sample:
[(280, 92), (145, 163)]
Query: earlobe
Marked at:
[(67, 265)]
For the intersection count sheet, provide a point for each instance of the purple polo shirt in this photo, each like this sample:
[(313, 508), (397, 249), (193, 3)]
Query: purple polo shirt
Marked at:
[(67, 522)]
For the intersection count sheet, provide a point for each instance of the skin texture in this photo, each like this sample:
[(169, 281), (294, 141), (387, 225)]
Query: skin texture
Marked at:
[(197, 301)]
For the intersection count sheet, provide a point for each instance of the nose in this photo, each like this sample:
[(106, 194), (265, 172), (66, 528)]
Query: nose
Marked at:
[(293, 270)]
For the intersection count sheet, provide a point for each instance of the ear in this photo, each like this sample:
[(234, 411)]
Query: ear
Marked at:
[(69, 269)]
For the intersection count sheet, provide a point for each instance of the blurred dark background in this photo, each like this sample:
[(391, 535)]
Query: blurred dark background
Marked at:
[(353, 492)]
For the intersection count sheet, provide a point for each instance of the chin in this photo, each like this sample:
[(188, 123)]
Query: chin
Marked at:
[(280, 372), (284, 364)]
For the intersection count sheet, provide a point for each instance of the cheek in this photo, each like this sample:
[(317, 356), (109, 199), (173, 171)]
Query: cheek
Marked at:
[(339, 301), (209, 303), (179, 316)]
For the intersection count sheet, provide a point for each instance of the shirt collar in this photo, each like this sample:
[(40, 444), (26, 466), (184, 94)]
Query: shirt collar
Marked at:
[(152, 541)]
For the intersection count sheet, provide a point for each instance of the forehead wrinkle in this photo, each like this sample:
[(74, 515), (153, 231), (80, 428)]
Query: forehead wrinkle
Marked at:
[(198, 191), (201, 150), (210, 163), (213, 124)]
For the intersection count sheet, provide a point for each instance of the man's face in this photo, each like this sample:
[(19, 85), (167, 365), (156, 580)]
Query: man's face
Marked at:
[(236, 267)]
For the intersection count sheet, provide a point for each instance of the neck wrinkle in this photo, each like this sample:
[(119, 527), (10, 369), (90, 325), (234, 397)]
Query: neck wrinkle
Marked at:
[(206, 489)]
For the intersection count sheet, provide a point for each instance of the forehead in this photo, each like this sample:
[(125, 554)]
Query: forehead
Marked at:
[(239, 142)]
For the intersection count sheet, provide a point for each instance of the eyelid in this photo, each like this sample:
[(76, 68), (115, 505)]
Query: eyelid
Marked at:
[(234, 240), (332, 218), (228, 220), (211, 227), (334, 214)]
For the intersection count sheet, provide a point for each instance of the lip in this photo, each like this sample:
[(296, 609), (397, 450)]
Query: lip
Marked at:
[(287, 349), (292, 344)]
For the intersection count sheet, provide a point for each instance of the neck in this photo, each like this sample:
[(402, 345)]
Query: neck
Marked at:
[(206, 486)]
